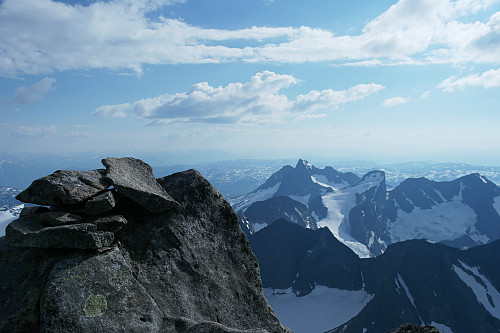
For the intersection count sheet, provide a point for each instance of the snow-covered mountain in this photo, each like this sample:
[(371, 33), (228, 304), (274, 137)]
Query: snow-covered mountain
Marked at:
[(304, 185), (316, 284), (367, 216)]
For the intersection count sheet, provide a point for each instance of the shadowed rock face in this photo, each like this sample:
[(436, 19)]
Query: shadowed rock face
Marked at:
[(186, 269)]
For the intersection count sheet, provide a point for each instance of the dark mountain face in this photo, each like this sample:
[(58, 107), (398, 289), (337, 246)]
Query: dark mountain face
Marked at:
[(382, 217), (292, 256), (423, 283), (412, 282), (263, 213)]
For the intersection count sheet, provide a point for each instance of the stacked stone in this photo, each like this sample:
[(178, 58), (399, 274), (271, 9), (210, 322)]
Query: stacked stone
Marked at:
[(77, 208)]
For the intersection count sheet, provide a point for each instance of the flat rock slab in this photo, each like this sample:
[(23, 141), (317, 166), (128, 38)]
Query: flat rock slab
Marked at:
[(51, 219), (111, 223), (29, 232), (65, 187), (97, 294), (134, 179)]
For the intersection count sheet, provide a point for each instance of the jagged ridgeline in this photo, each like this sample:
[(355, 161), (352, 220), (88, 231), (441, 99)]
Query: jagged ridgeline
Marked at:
[(116, 250)]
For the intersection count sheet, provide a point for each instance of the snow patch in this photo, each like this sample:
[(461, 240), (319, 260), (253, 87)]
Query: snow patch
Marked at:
[(321, 310), (445, 221), (7, 216), (245, 201), (496, 204), (485, 292), (408, 294), (259, 226), (323, 181), (442, 327)]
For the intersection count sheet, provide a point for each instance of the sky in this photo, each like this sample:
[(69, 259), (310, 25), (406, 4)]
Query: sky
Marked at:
[(388, 81)]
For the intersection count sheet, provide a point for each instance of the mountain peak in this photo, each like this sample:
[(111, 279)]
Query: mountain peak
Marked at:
[(304, 164)]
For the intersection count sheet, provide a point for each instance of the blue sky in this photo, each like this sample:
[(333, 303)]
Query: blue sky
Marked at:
[(387, 81)]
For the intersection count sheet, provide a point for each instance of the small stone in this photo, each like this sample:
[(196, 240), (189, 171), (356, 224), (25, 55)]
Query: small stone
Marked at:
[(101, 203), (51, 219), (65, 187), (32, 210), (134, 179), (28, 231)]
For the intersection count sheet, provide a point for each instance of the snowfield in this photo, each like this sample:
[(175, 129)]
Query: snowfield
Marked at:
[(448, 220), (8, 216), (321, 310)]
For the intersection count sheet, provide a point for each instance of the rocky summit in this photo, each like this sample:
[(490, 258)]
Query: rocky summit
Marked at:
[(117, 250)]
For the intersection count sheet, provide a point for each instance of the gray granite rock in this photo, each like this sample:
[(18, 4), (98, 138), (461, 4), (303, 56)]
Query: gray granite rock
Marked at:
[(134, 179), (32, 210), (111, 223), (186, 270), (96, 294), (65, 187), (101, 203), (29, 232), (52, 219)]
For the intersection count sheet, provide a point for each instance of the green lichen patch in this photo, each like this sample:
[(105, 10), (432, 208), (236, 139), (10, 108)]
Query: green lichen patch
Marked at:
[(95, 305)]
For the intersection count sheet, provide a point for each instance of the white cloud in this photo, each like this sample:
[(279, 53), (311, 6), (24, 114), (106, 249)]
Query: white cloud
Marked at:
[(395, 101), (35, 93), (488, 79), (257, 101), (425, 94), (44, 36)]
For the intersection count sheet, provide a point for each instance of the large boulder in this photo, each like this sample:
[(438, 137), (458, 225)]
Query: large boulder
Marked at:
[(65, 187), (134, 179)]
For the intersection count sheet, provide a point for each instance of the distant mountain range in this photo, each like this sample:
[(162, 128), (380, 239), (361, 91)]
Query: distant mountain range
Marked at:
[(413, 281), (367, 216)]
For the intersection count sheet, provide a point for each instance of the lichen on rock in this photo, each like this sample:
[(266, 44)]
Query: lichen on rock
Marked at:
[(95, 305)]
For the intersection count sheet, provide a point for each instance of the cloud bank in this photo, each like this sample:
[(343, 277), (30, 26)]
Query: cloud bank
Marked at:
[(44, 36), (257, 101)]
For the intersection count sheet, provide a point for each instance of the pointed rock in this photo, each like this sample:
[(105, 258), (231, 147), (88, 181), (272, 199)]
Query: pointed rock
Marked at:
[(134, 179), (29, 232), (65, 187)]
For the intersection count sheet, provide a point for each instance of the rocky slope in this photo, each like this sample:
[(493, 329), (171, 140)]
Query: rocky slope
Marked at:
[(118, 251)]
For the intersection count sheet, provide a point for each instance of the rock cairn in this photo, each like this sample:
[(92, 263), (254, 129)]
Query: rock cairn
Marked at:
[(76, 209)]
